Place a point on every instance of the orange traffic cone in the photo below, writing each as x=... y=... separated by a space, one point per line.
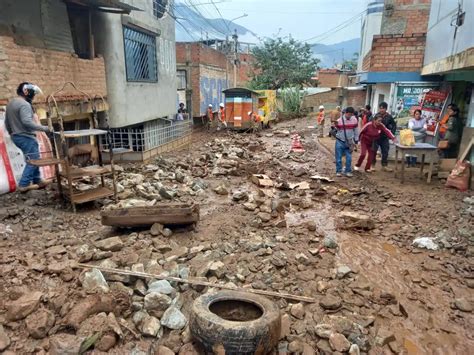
x=296 y=145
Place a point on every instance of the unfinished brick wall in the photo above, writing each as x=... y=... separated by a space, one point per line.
x=332 y=78
x=397 y=53
x=366 y=61
x=354 y=98
x=329 y=100
x=48 y=69
x=405 y=16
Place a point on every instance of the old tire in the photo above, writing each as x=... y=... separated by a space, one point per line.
x=258 y=333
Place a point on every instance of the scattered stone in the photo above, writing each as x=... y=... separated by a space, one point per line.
x=265 y=217
x=156 y=229
x=217 y=269
x=384 y=336
x=354 y=220
x=425 y=243
x=106 y=342
x=161 y=286
x=65 y=344
x=4 y=339
x=240 y=196
x=167 y=194
x=330 y=302
x=330 y=242
x=300 y=171
x=23 y=306
x=342 y=271
x=163 y=350
x=221 y=190
x=150 y=326
x=295 y=347
x=167 y=232
x=354 y=350
x=285 y=326
x=311 y=225
x=39 y=323
x=297 y=311
x=173 y=319
x=94 y=280
x=339 y=342
x=323 y=330
x=463 y=305
x=157 y=302
x=93 y=304
x=110 y=244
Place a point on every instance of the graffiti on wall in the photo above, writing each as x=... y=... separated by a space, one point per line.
x=211 y=92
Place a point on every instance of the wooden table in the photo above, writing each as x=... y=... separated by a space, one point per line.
x=417 y=149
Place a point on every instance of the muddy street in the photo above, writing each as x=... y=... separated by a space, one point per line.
x=345 y=242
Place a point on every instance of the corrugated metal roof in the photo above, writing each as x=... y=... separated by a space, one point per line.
x=105 y=5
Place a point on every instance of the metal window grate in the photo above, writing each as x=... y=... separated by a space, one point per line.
x=140 y=55
x=159 y=8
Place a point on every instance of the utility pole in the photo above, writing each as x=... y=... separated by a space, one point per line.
x=235 y=37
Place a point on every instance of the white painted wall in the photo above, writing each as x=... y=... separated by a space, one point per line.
x=377 y=90
x=133 y=103
x=371 y=25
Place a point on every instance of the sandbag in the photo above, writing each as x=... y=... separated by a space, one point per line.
x=407 y=138
x=12 y=161
x=459 y=177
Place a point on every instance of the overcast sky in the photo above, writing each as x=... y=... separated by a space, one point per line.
x=302 y=19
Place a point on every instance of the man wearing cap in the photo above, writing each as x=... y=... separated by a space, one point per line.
x=321 y=121
x=20 y=124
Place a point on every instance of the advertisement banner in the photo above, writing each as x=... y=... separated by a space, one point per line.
x=432 y=106
x=408 y=99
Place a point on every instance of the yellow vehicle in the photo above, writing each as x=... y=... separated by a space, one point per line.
x=267 y=106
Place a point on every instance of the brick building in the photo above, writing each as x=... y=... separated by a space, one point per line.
x=395 y=59
x=204 y=72
x=120 y=55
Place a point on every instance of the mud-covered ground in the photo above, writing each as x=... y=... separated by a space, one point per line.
x=375 y=292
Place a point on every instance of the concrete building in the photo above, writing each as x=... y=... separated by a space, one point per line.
x=371 y=26
x=121 y=53
x=204 y=72
x=450 y=54
x=391 y=70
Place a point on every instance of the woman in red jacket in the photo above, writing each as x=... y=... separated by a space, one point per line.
x=369 y=134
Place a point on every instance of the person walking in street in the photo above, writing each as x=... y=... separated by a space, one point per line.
x=20 y=124
x=383 y=142
x=366 y=115
x=320 y=121
x=221 y=117
x=347 y=135
x=369 y=136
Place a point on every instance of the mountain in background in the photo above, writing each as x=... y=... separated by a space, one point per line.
x=193 y=26
x=331 y=54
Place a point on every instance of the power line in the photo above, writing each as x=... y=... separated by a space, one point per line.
x=337 y=28
x=224 y=21
x=204 y=17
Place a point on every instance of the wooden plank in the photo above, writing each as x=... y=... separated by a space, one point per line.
x=192 y=281
x=166 y=214
x=467 y=135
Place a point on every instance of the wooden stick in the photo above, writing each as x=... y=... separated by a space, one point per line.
x=197 y=283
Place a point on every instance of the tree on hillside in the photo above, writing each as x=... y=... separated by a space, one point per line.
x=279 y=64
x=351 y=64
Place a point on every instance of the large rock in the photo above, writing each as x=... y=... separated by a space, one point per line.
x=23 y=306
x=330 y=242
x=110 y=244
x=355 y=220
x=240 y=196
x=339 y=342
x=150 y=326
x=161 y=286
x=463 y=305
x=330 y=302
x=39 y=323
x=4 y=339
x=221 y=190
x=217 y=269
x=342 y=271
x=156 y=229
x=297 y=311
x=156 y=303
x=65 y=344
x=173 y=319
x=94 y=280
x=163 y=350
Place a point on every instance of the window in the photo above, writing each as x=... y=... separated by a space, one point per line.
x=181 y=75
x=140 y=55
x=159 y=8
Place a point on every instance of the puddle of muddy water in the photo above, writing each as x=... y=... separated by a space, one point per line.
x=391 y=269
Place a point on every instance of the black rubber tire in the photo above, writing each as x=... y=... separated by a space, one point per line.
x=259 y=336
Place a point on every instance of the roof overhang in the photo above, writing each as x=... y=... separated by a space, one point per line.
x=114 y=6
x=460 y=61
x=392 y=77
